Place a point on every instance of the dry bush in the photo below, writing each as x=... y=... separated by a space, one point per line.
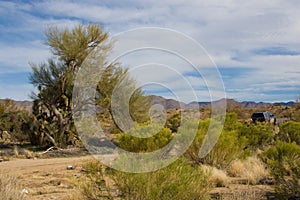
x=93 y=185
x=28 y=154
x=252 y=169
x=218 y=177
x=10 y=188
x=16 y=151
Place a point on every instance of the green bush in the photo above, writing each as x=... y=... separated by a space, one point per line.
x=283 y=160
x=229 y=146
x=258 y=135
x=160 y=138
x=174 y=122
x=94 y=185
x=290 y=132
x=12 y=120
x=177 y=181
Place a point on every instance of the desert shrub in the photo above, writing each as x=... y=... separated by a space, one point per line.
x=160 y=138
x=258 y=135
x=252 y=169
x=290 y=132
x=218 y=177
x=283 y=160
x=94 y=185
x=173 y=122
x=179 y=180
x=12 y=120
x=228 y=147
x=10 y=188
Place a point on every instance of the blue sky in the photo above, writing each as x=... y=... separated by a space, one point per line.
x=255 y=44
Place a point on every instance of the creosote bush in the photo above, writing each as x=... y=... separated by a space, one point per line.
x=283 y=160
x=290 y=132
x=258 y=135
x=137 y=144
x=230 y=144
x=179 y=180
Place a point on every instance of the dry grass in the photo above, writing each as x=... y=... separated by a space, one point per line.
x=218 y=177
x=10 y=188
x=16 y=151
x=28 y=154
x=252 y=169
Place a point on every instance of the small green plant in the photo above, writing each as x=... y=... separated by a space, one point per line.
x=284 y=163
x=179 y=180
x=228 y=147
x=258 y=135
x=290 y=132
x=94 y=186
x=148 y=144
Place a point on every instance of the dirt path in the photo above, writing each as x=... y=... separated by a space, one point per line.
x=46 y=178
x=49 y=179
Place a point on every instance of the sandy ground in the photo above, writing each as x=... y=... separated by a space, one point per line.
x=50 y=179
x=46 y=178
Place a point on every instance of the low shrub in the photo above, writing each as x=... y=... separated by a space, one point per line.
x=252 y=169
x=218 y=177
x=94 y=185
x=179 y=180
x=258 y=135
x=229 y=146
x=159 y=138
x=290 y=132
x=10 y=188
x=283 y=160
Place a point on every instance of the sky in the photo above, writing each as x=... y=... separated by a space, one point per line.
x=254 y=45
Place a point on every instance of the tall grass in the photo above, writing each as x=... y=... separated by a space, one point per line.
x=10 y=188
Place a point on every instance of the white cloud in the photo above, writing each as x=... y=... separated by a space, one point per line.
x=229 y=31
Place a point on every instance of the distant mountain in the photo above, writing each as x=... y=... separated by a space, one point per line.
x=173 y=104
x=26 y=105
x=166 y=103
x=290 y=103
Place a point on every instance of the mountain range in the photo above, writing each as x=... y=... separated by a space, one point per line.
x=173 y=104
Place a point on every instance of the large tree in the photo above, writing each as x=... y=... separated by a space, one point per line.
x=55 y=80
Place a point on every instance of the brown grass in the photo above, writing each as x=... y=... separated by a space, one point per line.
x=252 y=169
x=218 y=177
x=10 y=188
x=16 y=151
x=28 y=154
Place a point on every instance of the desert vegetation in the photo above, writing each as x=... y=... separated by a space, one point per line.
x=256 y=154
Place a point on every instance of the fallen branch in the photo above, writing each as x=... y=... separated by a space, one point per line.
x=51 y=148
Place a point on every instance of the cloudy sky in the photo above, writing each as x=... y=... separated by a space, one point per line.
x=254 y=44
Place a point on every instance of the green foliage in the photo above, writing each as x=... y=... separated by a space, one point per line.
x=284 y=161
x=131 y=143
x=290 y=132
x=12 y=121
x=55 y=78
x=94 y=187
x=258 y=135
x=55 y=82
x=174 y=122
x=177 y=181
x=229 y=146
